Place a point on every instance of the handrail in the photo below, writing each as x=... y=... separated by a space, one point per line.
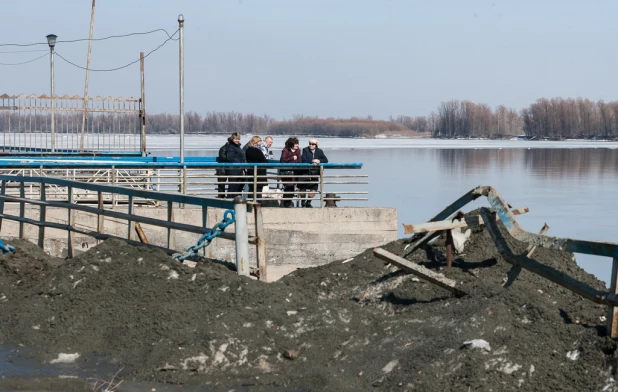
x=31 y=163
x=160 y=196
x=39 y=199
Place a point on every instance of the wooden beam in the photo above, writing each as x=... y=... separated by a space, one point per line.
x=420 y=271
x=452 y=224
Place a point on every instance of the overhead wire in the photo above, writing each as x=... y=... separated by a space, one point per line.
x=95 y=39
x=24 y=51
x=170 y=37
x=26 y=62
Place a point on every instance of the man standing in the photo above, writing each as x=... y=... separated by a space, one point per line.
x=265 y=147
x=235 y=154
x=220 y=172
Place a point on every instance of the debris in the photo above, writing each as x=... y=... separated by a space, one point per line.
x=290 y=354
x=478 y=343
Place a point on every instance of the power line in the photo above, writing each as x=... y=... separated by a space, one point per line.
x=121 y=67
x=25 y=51
x=26 y=62
x=96 y=39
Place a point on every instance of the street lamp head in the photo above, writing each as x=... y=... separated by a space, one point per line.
x=51 y=40
x=181 y=18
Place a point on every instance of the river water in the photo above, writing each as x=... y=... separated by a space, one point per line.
x=571 y=185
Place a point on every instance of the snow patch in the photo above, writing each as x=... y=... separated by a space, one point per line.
x=65 y=358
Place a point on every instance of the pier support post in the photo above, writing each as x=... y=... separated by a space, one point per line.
x=242 y=236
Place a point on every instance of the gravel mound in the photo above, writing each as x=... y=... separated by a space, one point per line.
x=352 y=324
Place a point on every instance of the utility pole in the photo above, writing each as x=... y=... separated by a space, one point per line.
x=84 y=112
x=181 y=22
x=51 y=41
x=142 y=106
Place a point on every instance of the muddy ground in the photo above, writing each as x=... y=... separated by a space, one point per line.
x=355 y=325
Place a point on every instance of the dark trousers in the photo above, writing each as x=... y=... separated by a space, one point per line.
x=288 y=196
x=235 y=185
x=222 y=180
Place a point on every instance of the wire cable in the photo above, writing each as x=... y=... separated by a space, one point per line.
x=25 y=51
x=96 y=39
x=123 y=66
x=26 y=62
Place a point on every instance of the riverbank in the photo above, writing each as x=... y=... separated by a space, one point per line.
x=357 y=323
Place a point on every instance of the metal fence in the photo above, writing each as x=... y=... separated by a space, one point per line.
x=335 y=183
x=42 y=124
x=39 y=199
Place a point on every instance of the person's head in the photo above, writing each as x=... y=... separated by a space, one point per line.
x=255 y=141
x=313 y=144
x=235 y=138
x=268 y=140
x=292 y=142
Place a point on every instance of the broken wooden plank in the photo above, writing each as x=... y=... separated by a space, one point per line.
x=452 y=224
x=420 y=271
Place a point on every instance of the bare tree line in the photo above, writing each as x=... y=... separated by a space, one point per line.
x=556 y=118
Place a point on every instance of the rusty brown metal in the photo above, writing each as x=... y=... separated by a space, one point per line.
x=260 y=242
x=140 y=233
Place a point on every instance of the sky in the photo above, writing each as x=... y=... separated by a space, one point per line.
x=326 y=58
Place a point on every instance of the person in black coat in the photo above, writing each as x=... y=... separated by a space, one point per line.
x=255 y=155
x=314 y=155
x=235 y=154
x=220 y=171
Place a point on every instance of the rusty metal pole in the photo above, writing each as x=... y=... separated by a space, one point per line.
x=181 y=23
x=143 y=105
x=260 y=243
x=85 y=111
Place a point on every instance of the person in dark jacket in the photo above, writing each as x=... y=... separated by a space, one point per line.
x=235 y=154
x=290 y=154
x=255 y=155
x=220 y=172
x=314 y=155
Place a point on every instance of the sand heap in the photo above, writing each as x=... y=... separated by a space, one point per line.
x=353 y=324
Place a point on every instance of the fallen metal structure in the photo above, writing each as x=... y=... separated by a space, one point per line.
x=502 y=211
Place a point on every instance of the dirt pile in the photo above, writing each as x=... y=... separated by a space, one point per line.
x=352 y=324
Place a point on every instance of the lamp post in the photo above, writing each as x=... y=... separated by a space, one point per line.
x=181 y=25
x=51 y=41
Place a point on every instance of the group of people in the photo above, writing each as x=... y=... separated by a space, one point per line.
x=258 y=151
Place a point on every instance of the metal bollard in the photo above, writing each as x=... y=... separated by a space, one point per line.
x=242 y=236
